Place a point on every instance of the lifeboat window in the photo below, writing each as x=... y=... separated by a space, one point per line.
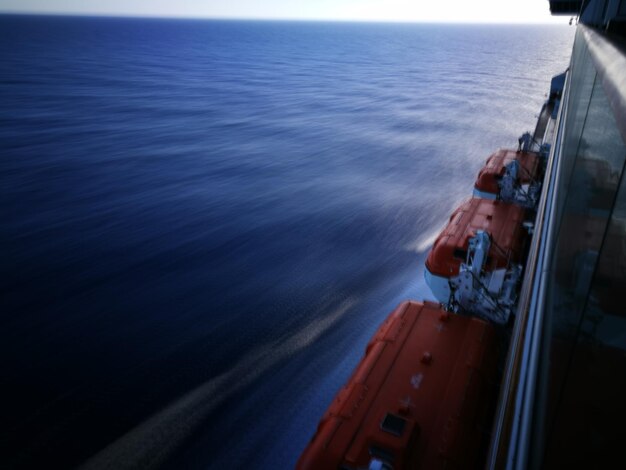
x=393 y=424
x=460 y=254
x=382 y=454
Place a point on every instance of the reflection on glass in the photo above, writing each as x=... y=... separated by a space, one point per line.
x=587 y=371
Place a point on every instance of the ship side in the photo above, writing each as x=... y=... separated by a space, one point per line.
x=521 y=362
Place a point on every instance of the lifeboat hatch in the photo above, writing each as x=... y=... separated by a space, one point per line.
x=393 y=424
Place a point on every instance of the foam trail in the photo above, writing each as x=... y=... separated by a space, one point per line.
x=153 y=441
x=424 y=242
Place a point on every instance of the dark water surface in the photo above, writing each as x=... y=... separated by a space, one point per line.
x=203 y=222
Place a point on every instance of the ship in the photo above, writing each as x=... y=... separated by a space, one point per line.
x=521 y=362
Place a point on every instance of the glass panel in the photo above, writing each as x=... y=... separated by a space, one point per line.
x=582 y=78
x=605 y=313
x=588 y=344
x=593 y=186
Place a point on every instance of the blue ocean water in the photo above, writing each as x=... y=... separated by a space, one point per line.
x=203 y=222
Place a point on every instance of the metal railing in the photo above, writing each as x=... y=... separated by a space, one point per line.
x=504 y=449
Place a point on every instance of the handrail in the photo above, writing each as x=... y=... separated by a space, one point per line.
x=499 y=451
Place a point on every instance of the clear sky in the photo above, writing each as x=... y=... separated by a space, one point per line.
x=484 y=11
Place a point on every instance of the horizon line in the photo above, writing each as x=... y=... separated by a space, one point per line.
x=554 y=18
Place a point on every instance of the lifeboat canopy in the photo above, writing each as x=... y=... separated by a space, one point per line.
x=421 y=397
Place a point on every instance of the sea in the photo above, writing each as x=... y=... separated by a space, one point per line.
x=203 y=222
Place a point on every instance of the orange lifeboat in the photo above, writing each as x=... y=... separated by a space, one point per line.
x=511 y=176
x=421 y=397
x=475 y=262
